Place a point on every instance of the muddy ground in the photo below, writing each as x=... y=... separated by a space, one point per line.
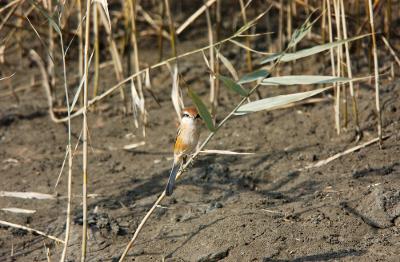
x=231 y=208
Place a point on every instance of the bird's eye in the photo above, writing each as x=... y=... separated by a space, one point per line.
x=197 y=116
x=185 y=115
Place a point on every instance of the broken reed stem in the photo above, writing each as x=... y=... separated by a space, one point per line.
x=346 y=152
x=376 y=72
x=85 y=133
x=5 y=223
x=349 y=70
x=190 y=160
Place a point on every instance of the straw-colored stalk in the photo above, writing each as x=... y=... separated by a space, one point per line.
x=349 y=70
x=247 y=39
x=96 y=50
x=132 y=11
x=171 y=28
x=333 y=65
x=376 y=71
x=80 y=41
x=218 y=38
x=85 y=133
x=69 y=183
x=388 y=18
x=339 y=56
x=280 y=26
x=323 y=22
x=213 y=96
x=114 y=54
x=50 y=63
x=160 y=31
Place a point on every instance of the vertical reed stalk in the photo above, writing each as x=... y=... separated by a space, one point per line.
x=160 y=31
x=211 y=63
x=80 y=41
x=69 y=185
x=349 y=70
x=247 y=39
x=50 y=63
x=375 y=56
x=171 y=28
x=136 y=64
x=85 y=133
x=333 y=65
x=96 y=50
x=339 y=55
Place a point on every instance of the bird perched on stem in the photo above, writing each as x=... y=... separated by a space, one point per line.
x=186 y=142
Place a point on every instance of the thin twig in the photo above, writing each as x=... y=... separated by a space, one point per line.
x=5 y=223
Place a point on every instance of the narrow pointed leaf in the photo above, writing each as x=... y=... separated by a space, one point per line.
x=277 y=101
x=228 y=65
x=229 y=83
x=253 y=76
x=309 y=51
x=303 y=80
x=205 y=115
x=300 y=33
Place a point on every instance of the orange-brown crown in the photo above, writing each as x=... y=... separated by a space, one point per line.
x=191 y=111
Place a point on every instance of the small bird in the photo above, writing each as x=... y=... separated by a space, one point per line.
x=186 y=142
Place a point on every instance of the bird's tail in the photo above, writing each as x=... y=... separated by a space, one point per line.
x=171 y=181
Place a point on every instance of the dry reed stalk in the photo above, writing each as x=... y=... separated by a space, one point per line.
x=280 y=27
x=136 y=64
x=323 y=22
x=114 y=54
x=10 y=4
x=171 y=29
x=349 y=71
x=247 y=39
x=333 y=65
x=155 y=24
x=45 y=81
x=388 y=18
x=218 y=37
x=376 y=72
x=5 y=223
x=194 y=16
x=160 y=41
x=85 y=133
x=346 y=152
x=391 y=50
x=339 y=56
x=69 y=183
x=50 y=63
x=211 y=64
x=80 y=40
x=8 y=15
x=96 y=50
